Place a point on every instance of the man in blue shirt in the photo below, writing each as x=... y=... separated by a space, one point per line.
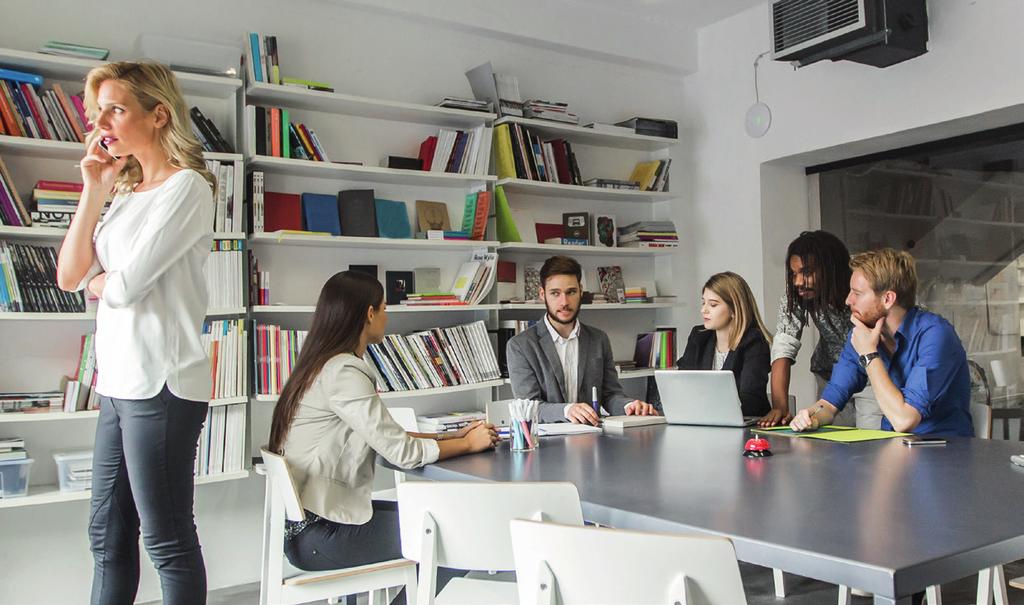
x=913 y=358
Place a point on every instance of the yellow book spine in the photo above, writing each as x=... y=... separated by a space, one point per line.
x=503 y=152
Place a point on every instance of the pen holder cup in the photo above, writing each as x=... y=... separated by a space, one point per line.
x=523 y=435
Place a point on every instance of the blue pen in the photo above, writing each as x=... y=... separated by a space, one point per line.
x=593 y=401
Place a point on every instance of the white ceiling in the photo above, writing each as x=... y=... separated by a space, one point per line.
x=688 y=14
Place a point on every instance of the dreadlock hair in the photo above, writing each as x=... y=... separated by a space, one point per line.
x=828 y=257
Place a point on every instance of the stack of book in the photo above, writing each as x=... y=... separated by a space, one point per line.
x=208 y=133
x=55 y=203
x=651 y=176
x=12 y=448
x=222 y=441
x=447 y=422
x=69 y=49
x=418 y=299
x=435 y=358
x=80 y=389
x=475 y=277
x=652 y=127
x=223 y=273
x=272 y=133
x=465 y=104
x=655 y=349
x=28 y=112
x=31 y=403
x=523 y=155
x=635 y=295
x=625 y=365
x=458 y=151
x=227 y=211
x=277 y=350
x=611 y=183
x=28 y=281
x=226 y=343
x=546 y=110
x=12 y=211
x=649 y=234
x=437 y=234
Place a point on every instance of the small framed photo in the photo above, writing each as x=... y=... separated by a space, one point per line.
x=605 y=232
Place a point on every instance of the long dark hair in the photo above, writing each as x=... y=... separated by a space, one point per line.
x=337 y=325
x=831 y=261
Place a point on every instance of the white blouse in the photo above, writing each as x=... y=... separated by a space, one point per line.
x=152 y=246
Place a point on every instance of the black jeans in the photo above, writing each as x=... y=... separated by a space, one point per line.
x=142 y=475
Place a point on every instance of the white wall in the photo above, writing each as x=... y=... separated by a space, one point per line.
x=749 y=198
x=45 y=558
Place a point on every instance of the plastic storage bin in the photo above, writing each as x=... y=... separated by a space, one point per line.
x=74 y=470
x=14 y=477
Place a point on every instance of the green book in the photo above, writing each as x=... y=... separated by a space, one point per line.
x=505 y=225
x=286 y=139
x=469 y=213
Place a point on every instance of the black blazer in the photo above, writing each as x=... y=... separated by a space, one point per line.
x=750 y=362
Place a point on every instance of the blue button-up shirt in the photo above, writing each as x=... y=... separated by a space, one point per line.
x=929 y=366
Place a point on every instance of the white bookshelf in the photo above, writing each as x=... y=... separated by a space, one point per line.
x=51 y=494
x=40 y=148
x=341 y=241
x=548 y=129
x=227 y=312
x=597 y=307
x=308 y=309
x=365 y=107
x=578 y=192
x=551 y=249
x=13 y=316
x=462 y=388
x=32 y=233
x=366 y=174
x=89 y=414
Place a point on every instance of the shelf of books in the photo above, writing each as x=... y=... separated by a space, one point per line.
x=342 y=241
x=579 y=192
x=617 y=137
x=23 y=316
x=386 y=395
x=262 y=93
x=594 y=307
x=576 y=250
x=43 y=148
x=367 y=174
x=396 y=308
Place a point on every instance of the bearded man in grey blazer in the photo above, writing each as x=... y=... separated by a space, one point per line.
x=559 y=360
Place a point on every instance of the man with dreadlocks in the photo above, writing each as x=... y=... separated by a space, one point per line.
x=817 y=282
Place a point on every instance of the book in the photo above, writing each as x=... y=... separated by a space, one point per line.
x=397 y=285
x=427 y=279
x=320 y=213
x=546 y=231
x=282 y=211
x=432 y=216
x=449 y=421
x=464 y=279
x=68 y=49
x=576 y=225
x=612 y=286
x=358 y=212
x=605 y=233
x=392 y=219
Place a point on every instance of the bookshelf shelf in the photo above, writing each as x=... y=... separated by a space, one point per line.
x=369 y=174
x=476 y=386
x=527 y=248
x=12 y=316
x=364 y=107
x=226 y=312
x=306 y=309
x=51 y=494
x=229 y=235
x=588 y=136
x=558 y=190
x=47 y=416
x=228 y=401
x=32 y=233
x=222 y=157
x=71 y=68
x=50 y=149
x=642 y=373
x=341 y=241
x=600 y=307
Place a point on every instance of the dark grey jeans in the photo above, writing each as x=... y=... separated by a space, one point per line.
x=142 y=475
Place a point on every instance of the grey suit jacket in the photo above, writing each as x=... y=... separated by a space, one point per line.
x=536 y=372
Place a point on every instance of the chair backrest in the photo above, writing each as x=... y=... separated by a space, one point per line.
x=280 y=477
x=636 y=567
x=406 y=418
x=981 y=417
x=472 y=518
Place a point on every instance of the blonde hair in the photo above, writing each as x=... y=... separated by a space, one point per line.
x=152 y=84
x=889 y=269
x=735 y=293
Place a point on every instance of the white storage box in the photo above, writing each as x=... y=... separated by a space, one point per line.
x=74 y=470
x=14 y=477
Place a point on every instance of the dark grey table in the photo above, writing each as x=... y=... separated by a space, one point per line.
x=878 y=516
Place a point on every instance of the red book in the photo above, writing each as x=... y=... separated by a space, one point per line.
x=7 y=112
x=80 y=110
x=506 y=271
x=427 y=149
x=26 y=93
x=561 y=161
x=275 y=132
x=282 y=211
x=307 y=140
x=547 y=231
x=60 y=186
x=483 y=206
x=69 y=112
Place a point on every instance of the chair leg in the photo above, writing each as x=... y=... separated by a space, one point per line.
x=985 y=587
x=999 y=585
x=378 y=597
x=933 y=595
x=411 y=586
x=780 y=583
x=844 y=595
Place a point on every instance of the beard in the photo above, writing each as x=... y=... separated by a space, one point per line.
x=872 y=316
x=552 y=315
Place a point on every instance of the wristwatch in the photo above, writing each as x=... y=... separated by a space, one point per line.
x=866 y=359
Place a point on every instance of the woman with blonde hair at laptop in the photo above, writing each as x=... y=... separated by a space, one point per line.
x=732 y=337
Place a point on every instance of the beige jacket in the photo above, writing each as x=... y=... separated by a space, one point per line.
x=339 y=425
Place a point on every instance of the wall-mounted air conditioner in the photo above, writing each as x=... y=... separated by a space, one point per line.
x=873 y=32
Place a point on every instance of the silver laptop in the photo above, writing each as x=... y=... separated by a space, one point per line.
x=701 y=397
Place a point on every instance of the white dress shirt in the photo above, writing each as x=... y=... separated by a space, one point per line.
x=568 y=350
x=152 y=245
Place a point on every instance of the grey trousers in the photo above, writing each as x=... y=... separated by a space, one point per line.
x=142 y=478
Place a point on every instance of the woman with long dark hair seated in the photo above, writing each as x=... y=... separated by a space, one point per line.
x=329 y=423
x=732 y=337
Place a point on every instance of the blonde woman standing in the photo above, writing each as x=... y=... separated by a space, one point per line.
x=732 y=337
x=144 y=261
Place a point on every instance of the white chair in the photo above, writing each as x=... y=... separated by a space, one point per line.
x=406 y=418
x=465 y=526
x=777 y=575
x=592 y=566
x=991 y=580
x=282 y=502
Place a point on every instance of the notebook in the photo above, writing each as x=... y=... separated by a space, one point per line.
x=628 y=422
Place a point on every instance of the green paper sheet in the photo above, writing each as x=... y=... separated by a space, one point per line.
x=785 y=431
x=505 y=224
x=856 y=435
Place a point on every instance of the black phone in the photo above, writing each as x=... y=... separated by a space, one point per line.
x=103 y=144
x=914 y=440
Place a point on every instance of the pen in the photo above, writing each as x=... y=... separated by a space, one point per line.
x=593 y=401
x=816 y=410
